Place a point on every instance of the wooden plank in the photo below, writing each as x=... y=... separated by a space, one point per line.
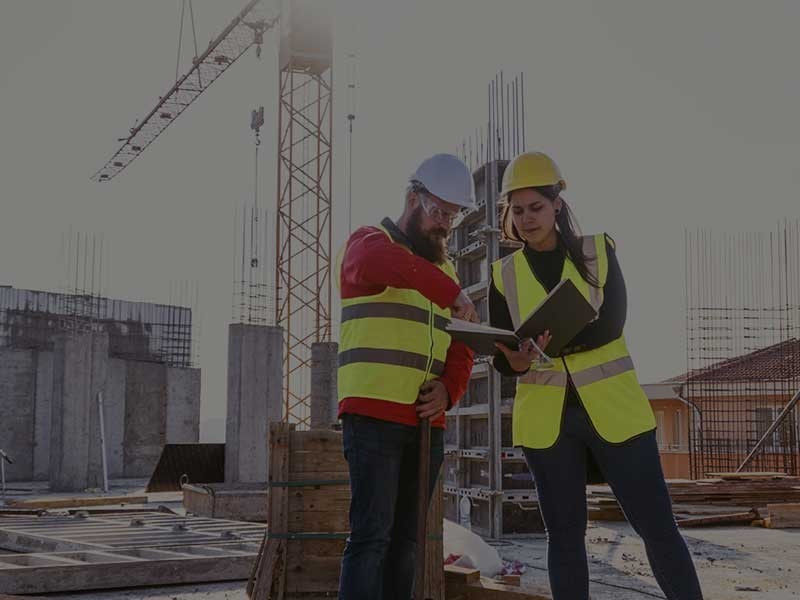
x=316 y=462
x=750 y=475
x=726 y=519
x=783 y=516
x=270 y=571
x=308 y=573
x=321 y=475
x=456 y=575
x=322 y=441
x=77 y=502
x=98 y=576
x=322 y=521
x=320 y=498
x=488 y=589
x=434 y=547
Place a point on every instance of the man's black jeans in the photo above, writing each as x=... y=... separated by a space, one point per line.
x=378 y=560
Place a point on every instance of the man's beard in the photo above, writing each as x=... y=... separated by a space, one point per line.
x=432 y=245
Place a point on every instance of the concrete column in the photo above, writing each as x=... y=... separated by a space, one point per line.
x=324 y=396
x=41 y=420
x=183 y=405
x=255 y=393
x=79 y=372
x=145 y=417
x=114 y=407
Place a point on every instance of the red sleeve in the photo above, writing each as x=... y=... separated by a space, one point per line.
x=372 y=262
x=457 y=371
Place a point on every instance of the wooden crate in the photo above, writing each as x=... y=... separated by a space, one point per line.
x=308 y=508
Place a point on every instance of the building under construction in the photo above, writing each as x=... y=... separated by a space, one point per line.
x=92 y=388
x=743 y=350
x=486 y=481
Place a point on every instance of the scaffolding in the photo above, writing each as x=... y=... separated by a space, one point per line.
x=743 y=348
x=487 y=485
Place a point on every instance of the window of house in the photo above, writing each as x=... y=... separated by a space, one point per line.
x=660 y=428
x=765 y=416
x=678 y=436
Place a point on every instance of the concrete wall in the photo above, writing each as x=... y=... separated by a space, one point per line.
x=255 y=386
x=183 y=405
x=49 y=419
x=17 y=392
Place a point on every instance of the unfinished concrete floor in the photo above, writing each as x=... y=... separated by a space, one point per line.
x=727 y=558
x=734 y=563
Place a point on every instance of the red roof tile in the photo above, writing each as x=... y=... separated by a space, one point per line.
x=778 y=362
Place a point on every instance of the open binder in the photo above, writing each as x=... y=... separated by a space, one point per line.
x=564 y=312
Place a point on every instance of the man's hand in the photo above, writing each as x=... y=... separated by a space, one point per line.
x=463 y=308
x=432 y=400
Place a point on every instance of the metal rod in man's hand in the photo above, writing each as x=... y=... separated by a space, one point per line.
x=423 y=486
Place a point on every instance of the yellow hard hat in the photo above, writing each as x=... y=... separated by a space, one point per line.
x=530 y=169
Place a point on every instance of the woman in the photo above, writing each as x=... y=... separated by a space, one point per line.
x=587 y=406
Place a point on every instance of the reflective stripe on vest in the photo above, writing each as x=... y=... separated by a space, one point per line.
x=391 y=343
x=393 y=311
x=604 y=377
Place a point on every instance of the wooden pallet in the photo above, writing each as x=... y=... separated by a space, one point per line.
x=308 y=507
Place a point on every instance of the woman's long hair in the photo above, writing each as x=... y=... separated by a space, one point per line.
x=566 y=225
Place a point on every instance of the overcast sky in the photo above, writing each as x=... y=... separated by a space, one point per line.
x=662 y=116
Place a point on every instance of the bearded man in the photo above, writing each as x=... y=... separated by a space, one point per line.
x=398 y=365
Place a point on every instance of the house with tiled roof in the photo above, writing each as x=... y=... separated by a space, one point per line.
x=709 y=419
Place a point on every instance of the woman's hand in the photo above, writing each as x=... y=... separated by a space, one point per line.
x=520 y=360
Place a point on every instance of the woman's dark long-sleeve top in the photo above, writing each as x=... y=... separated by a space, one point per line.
x=547 y=267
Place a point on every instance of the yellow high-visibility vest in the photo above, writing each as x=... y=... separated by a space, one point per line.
x=604 y=378
x=392 y=342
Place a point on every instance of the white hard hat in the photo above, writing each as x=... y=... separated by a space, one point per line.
x=446 y=176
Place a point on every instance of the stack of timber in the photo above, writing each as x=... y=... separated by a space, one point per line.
x=722 y=499
x=308 y=504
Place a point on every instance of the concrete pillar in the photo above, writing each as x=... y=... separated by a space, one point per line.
x=114 y=411
x=183 y=405
x=324 y=396
x=42 y=420
x=145 y=417
x=79 y=372
x=255 y=393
